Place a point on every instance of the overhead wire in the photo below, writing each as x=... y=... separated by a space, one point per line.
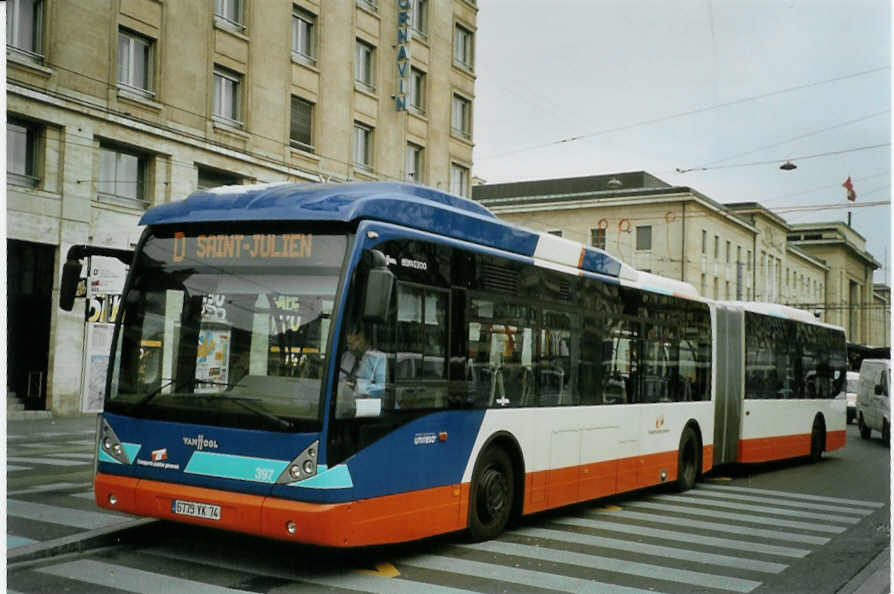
x=681 y=114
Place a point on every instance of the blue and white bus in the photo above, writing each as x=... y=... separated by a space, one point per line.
x=368 y=363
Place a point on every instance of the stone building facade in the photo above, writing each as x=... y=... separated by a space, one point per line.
x=112 y=111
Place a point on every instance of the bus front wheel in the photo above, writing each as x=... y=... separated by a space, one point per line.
x=687 y=460
x=491 y=494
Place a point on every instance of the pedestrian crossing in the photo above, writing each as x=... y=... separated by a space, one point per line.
x=714 y=538
x=49 y=487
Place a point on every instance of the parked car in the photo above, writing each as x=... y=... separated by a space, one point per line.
x=873 y=404
x=853 y=381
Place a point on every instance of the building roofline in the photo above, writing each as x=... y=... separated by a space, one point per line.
x=590 y=198
x=756 y=207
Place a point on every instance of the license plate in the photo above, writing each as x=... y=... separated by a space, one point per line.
x=195 y=510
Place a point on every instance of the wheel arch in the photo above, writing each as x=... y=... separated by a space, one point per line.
x=509 y=444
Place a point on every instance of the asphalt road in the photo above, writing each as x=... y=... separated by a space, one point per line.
x=784 y=527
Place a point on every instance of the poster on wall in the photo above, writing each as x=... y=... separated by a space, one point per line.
x=99 y=341
x=213 y=357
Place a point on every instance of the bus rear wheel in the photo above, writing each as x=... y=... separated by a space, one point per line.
x=687 y=460
x=817 y=441
x=491 y=494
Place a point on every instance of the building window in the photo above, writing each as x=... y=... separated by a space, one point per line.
x=419 y=17
x=748 y=260
x=556 y=232
x=303 y=35
x=213 y=178
x=704 y=284
x=716 y=246
x=461 y=117
x=301 y=127
x=367 y=4
x=227 y=86
x=739 y=254
x=597 y=238
x=362 y=146
x=416 y=98
x=462 y=47
x=716 y=283
x=21 y=153
x=459 y=180
x=728 y=294
x=704 y=241
x=644 y=237
x=135 y=70
x=414 y=163
x=24 y=27
x=729 y=250
x=364 y=73
x=229 y=13
x=122 y=174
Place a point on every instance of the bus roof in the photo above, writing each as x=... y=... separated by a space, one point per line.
x=405 y=204
x=781 y=311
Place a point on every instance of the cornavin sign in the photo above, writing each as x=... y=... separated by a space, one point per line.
x=403 y=54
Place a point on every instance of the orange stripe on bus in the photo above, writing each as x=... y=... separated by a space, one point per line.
x=764 y=449
x=552 y=488
x=387 y=519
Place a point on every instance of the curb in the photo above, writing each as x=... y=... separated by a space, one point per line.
x=77 y=543
x=28 y=415
x=875 y=578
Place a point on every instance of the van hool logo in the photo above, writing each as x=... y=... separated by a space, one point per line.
x=200 y=443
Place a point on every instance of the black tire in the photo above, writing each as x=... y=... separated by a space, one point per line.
x=886 y=433
x=491 y=494
x=817 y=441
x=688 y=460
x=865 y=431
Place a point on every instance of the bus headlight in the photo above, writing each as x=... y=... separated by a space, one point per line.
x=302 y=467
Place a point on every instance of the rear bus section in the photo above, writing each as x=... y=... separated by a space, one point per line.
x=779 y=373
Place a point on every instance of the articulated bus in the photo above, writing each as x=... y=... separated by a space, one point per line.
x=368 y=363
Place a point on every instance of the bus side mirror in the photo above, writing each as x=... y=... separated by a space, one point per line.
x=71 y=274
x=377 y=289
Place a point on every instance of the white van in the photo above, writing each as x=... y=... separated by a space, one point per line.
x=873 y=406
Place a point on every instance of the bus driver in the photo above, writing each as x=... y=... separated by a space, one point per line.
x=362 y=368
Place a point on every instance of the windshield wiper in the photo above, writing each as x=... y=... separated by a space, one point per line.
x=244 y=401
x=145 y=399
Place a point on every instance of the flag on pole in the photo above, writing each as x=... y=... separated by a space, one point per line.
x=847 y=185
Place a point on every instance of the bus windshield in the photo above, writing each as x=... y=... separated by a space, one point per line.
x=228 y=329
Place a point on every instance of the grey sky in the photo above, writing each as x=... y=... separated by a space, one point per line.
x=552 y=70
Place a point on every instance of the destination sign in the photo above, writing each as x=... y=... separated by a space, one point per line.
x=240 y=247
